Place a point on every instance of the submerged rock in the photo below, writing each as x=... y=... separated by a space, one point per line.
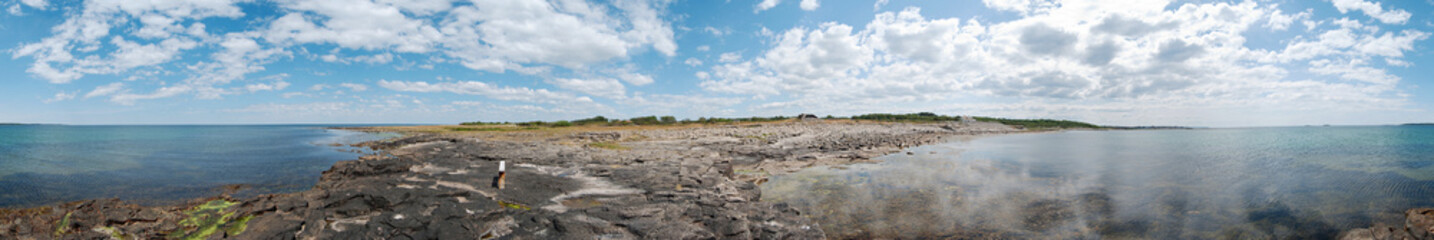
x=1418 y=224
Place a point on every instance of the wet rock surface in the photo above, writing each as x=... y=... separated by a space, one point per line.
x=688 y=183
x=1419 y=224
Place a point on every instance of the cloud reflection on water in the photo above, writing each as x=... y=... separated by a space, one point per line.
x=1069 y=190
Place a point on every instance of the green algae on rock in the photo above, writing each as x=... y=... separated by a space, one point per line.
x=207 y=218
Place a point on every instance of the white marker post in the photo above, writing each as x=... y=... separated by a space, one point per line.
x=502 y=173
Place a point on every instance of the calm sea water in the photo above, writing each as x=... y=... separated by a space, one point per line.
x=43 y=164
x=1257 y=183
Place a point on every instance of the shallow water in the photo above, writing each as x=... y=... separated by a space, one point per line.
x=1298 y=182
x=43 y=164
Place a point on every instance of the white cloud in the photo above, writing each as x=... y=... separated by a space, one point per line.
x=106 y=90
x=877 y=6
x=37 y=4
x=277 y=85
x=703 y=48
x=715 y=32
x=729 y=57
x=496 y=35
x=601 y=87
x=376 y=59
x=487 y=90
x=635 y=78
x=811 y=5
x=1374 y=10
x=692 y=62
x=1140 y=56
x=126 y=98
x=765 y=4
x=354 y=86
x=14 y=9
x=1021 y=6
x=525 y=36
x=1280 y=21
x=61 y=96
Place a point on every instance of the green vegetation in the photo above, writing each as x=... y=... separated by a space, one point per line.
x=591 y=121
x=208 y=218
x=910 y=117
x=1038 y=123
x=483 y=123
x=648 y=120
x=489 y=129
x=238 y=225
x=64 y=225
x=513 y=205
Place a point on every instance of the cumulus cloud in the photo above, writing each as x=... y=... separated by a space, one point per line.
x=37 y=4
x=811 y=5
x=1185 y=56
x=766 y=4
x=520 y=94
x=275 y=86
x=1373 y=10
x=354 y=86
x=729 y=57
x=105 y=90
x=1021 y=6
x=60 y=96
x=120 y=37
x=716 y=32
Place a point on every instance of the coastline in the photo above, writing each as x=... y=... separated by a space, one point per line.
x=611 y=182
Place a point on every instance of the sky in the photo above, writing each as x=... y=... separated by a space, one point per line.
x=1122 y=62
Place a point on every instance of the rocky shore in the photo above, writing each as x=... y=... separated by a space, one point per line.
x=619 y=183
x=1418 y=224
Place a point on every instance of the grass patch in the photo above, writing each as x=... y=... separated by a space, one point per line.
x=609 y=145
x=1039 y=123
x=64 y=225
x=910 y=117
x=513 y=205
x=489 y=129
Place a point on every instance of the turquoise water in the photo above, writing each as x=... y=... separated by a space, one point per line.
x=1256 y=183
x=43 y=164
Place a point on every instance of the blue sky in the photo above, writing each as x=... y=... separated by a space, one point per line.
x=1135 y=62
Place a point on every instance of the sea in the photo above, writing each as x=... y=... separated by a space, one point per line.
x=153 y=165
x=1233 y=183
